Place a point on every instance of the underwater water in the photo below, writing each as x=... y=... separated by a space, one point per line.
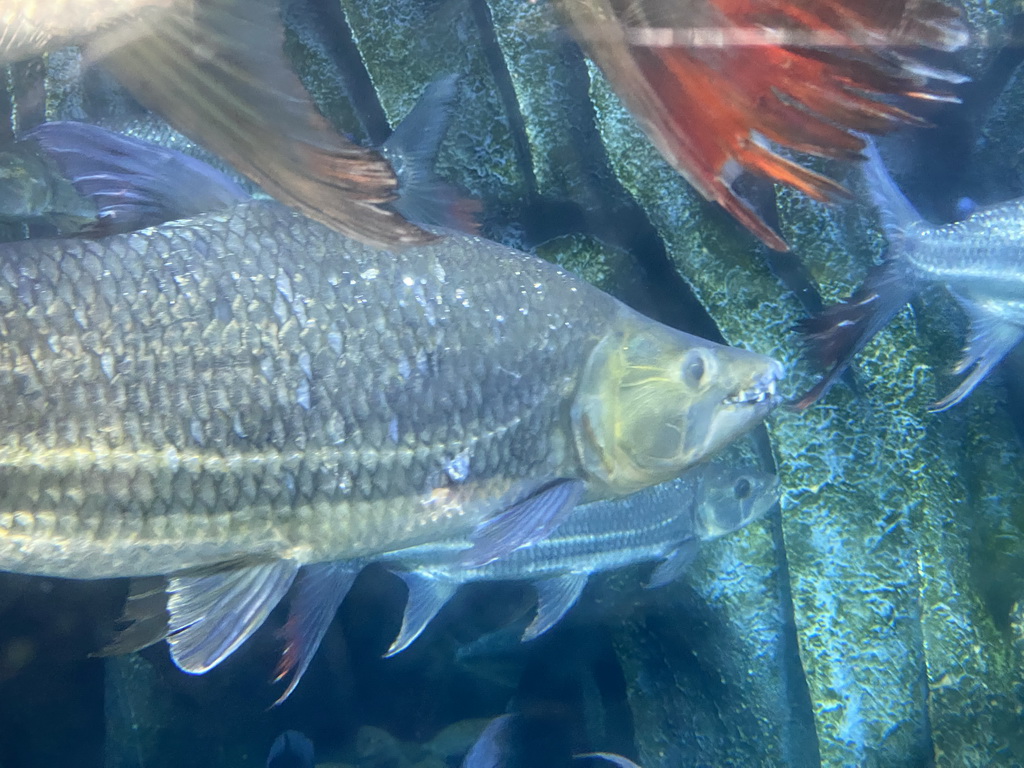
x=875 y=617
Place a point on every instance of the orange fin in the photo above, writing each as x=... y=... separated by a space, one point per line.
x=715 y=87
x=217 y=70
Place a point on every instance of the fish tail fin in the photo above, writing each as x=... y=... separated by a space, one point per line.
x=133 y=183
x=895 y=211
x=838 y=333
x=218 y=71
x=423 y=197
x=717 y=94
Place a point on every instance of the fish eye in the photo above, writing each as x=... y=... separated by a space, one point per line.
x=694 y=368
x=742 y=489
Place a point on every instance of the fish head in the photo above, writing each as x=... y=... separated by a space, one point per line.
x=654 y=401
x=733 y=497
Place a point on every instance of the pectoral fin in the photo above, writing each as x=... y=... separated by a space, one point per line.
x=554 y=599
x=523 y=523
x=672 y=567
x=427 y=596
x=320 y=590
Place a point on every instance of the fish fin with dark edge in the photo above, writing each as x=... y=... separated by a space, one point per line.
x=838 y=333
x=218 y=72
x=716 y=88
x=524 y=522
x=607 y=757
x=424 y=197
x=989 y=340
x=213 y=610
x=291 y=749
x=320 y=589
x=555 y=596
x=491 y=748
x=673 y=566
x=144 y=617
x=133 y=183
x=427 y=596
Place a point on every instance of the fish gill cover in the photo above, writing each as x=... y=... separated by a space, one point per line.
x=877 y=621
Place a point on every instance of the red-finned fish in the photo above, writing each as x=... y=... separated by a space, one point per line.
x=716 y=84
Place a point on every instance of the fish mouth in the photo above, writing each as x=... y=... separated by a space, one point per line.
x=761 y=391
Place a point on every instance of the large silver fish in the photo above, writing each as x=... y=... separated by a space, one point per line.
x=217 y=70
x=227 y=398
x=980 y=260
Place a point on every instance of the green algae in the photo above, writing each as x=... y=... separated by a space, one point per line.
x=875 y=518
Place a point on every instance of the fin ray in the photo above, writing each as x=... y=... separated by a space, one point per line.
x=427 y=596
x=555 y=597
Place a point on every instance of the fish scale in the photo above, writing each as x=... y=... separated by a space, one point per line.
x=287 y=469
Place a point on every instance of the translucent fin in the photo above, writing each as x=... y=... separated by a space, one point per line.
x=427 y=596
x=555 y=597
x=990 y=339
x=291 y=749
x=133 y=183
x=838 y=333
x=607 y=757
x=321 y=588
x=895 y=211
x=525 y=522
x=412 y=149
x=673 y=566
x=217 y=71
x=214 y=610
x=715 y=87
x=491 y=748
x=144 y=618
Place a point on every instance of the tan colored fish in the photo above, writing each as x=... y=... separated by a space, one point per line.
x=227 y=398
x=217 y=71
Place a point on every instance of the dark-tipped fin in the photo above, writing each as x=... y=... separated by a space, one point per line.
x=523 y=523
x=555 y=597
x=133 y=183
x=491 y=749
x=673 y=566
x=412 y=149
x=836 y=335
x=320 y=590
x=291 y=749
x=427 y=596
x=217 y=70
x=989 y=341
x=212 y=611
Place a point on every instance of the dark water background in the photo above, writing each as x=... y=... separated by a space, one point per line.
x=674 y=654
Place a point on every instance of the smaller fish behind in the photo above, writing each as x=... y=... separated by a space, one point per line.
x=979 y=259
x=217 y=70
x=666 y=522
x=83 y=179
